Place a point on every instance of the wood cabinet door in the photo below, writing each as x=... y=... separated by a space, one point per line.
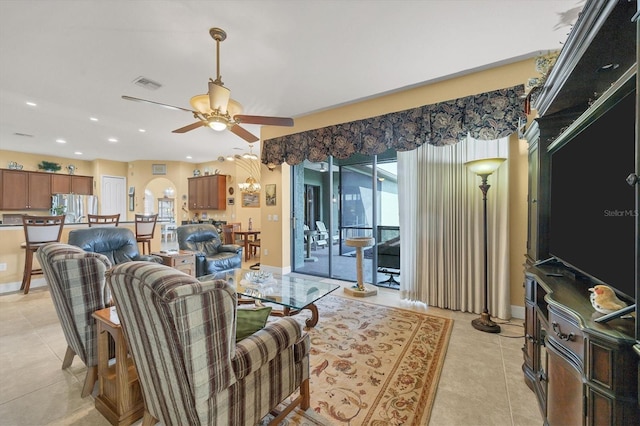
x=198 y=198
x=193 y=193
x=15 y=190
x=203 y=192
x=40 y=191
x=60 y=184
x=217 y=192
x=564 y=391
x=82 y=185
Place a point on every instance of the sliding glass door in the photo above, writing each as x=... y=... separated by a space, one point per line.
x=340 y=199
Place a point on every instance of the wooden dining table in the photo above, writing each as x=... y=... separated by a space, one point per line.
x=247 y=237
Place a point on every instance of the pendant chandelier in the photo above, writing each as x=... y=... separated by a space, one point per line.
x=250 y=163
x=250 y=185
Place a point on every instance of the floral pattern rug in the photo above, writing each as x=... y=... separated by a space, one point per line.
x=372 y=365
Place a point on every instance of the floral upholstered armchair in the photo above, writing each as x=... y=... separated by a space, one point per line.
x=77 y=285
x=181 y=334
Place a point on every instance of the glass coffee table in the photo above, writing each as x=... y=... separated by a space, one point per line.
x=292 y=293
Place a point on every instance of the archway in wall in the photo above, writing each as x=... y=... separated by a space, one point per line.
x=159 y=197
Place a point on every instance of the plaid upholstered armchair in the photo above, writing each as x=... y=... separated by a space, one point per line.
x=77 y=286
x=181 y=334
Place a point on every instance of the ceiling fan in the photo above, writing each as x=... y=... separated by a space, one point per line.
x=216 y=109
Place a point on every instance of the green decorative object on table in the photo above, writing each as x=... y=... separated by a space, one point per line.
x=48 y=166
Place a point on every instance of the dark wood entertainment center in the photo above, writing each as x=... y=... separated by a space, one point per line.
x=583 y=372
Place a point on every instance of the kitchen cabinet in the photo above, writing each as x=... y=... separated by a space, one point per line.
x=23 y=190
x=207 y=192
x=71 y=184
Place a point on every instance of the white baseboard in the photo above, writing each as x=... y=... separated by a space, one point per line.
x=517 y=311
x=15 y=286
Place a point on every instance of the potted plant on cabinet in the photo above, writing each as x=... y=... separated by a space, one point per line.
x=48 y=166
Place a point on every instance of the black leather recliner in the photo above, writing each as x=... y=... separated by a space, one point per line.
x=212 y=256
x=118 y=244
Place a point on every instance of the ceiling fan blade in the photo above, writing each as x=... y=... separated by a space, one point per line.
x=131 y=98
x=244 y=134
x=260 y=119
x=190 y=127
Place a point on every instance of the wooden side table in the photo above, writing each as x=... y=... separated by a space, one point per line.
x=119 y=397
x=182 y=260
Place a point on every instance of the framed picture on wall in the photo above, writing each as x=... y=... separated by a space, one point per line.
x=270 y=193
x=250 y=199
x=231 y=201
x=159 y=169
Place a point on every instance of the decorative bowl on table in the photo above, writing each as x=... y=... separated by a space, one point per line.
x=258 y=277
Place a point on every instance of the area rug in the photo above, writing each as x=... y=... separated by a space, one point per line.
x=372 y=365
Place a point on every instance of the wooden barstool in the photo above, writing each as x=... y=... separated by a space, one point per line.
x=103 y=219
x=38 y=231
x=145 y=227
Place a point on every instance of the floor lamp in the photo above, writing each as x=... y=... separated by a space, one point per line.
x=483 y=168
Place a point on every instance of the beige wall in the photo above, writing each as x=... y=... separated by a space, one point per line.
x=275 y=239
x=276 y=235
x=138 y=174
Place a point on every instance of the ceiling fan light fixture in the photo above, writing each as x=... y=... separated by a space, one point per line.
x=234 y=108
x=217 y=123
x=219 y=97
x=200 y=103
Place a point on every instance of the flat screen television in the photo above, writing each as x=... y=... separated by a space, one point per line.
x=592 y=207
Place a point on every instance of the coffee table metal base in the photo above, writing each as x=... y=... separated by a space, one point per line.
x=288 y=312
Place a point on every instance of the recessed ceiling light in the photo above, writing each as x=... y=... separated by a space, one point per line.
x=141 y=130
x=189 y=157
x=93 y=119
x=113 y=140
x=77 y=153
x=32 y=103
x=61 y=141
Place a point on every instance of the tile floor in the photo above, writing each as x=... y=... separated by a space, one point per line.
x=481 y=382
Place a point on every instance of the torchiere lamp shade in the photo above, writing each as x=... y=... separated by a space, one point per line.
x=484 y=166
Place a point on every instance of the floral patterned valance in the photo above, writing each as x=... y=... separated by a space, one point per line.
x=487 y=116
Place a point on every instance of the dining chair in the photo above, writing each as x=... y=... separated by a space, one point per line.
x=227 y=233
x=103 y=219
x=254 y=246
x=38 y=231
x=237 y=226
x=145 y=227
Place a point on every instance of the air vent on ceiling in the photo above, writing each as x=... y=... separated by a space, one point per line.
x=147 y=83
x=23 y=134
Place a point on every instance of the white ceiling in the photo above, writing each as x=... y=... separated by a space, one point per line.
x=75 y=59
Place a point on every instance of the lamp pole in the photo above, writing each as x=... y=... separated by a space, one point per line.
x=484 y=168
